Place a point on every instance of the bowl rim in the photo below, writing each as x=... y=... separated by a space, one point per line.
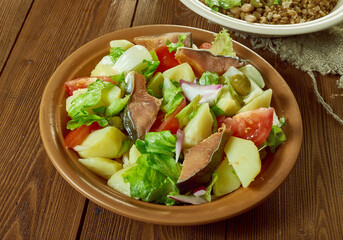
x=90 y=186
x=334 y=18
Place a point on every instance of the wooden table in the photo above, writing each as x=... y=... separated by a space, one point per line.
x=37 y=203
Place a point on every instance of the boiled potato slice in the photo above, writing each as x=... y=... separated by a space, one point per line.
x=131 y=156
x=183 y=71
x=106 y=142
x=104 y=68
x=245 y=159
x=134 y=154
x=227 y=179
x=254 y=92
x=109 y=95
x=262 y=100
x=227 y=103
x=103 y=167
x=125 y=44
x=117 y=182
x=117 y=122
x=132 y=59
x=199 y=127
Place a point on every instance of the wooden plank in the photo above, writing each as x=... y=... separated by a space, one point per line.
x=43 y=205
x=12 y=17
x=102 y=224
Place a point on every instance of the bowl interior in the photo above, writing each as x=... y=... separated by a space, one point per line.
x=275 y=169
x=335 y=17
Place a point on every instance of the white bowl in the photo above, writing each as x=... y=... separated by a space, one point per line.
x=334 y=18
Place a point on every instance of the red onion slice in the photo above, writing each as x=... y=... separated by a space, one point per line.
x=180 y=136
x=200 y=191
x=188 y=199
x=209 y=93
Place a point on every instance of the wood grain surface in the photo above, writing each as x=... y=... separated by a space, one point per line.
x=37 y=203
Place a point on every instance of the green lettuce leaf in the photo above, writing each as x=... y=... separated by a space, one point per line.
x=86 y=120
x=209 y=78
x=157 y=142
x=115 y=53
x=210 y=186
x=117 y=105
x=215 y=123
x=276 y=136
x=148 y=184
x=148 y=72
x=217 y=110
x=172 y=96
x=222 y=44
x=184 y=116
x=88 y=99
x=165 y=164
x=225 y=4
x=172 y=47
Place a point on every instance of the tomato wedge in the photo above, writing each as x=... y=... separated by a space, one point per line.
x=76 y=136
x=254 y=125
x=170 y=123
x=166 y=58
x=83 y=82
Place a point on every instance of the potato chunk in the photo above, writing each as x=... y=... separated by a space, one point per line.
x=106 y=142
x=245 y=159
x=103 y=167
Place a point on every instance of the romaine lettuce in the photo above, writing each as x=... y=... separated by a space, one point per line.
x=172 y=47
x=117 y=105
x=156 y=172
x=157 y=142
x=172 y=96
x=148 y=184
x=184 y=116
x=225 y=4
x=222 y=44
x=209 y=78
x=276 y=135
x=115 y=53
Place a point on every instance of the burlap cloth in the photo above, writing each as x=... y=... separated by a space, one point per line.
x=320 y=52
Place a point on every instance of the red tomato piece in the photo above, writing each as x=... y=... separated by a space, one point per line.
x=83 y=82
x=170 y=123
x=205 y=45
x=167 y=59
x=253 y=125
x=220 y=121
x=78 y=135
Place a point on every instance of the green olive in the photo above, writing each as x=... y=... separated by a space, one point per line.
x=241 y=84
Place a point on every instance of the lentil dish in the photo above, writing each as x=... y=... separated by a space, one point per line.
x=275 y=12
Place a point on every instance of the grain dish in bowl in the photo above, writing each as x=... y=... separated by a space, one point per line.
x=277 y=20
x=274 y=12
x=53 y=122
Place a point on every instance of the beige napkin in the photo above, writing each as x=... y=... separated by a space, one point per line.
x=320 y=52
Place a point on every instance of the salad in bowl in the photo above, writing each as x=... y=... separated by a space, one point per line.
x=168 y=122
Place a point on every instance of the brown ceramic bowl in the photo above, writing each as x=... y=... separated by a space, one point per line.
x=275 y=168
